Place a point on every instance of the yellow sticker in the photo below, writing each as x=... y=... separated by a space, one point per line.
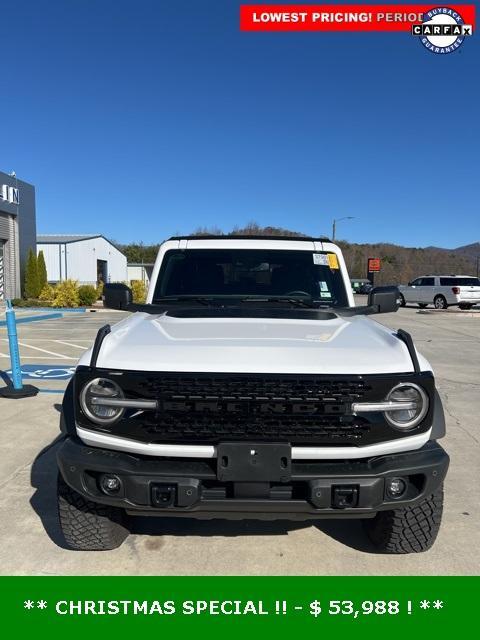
x=333 y=261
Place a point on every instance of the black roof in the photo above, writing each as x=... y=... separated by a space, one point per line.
x=248 y=237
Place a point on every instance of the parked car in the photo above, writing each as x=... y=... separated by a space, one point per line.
x=361 y=285
x=442 y=291
x=251 y=386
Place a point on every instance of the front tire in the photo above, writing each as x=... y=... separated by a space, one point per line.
x=411 y=529
x=87 y=525
x=402 y=300
x=440 y=302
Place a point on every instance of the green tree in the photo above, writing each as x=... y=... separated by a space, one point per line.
x=31 y=276
x=138 y=252
x=42 y=271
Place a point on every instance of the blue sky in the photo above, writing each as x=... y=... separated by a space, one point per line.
x=143 y=119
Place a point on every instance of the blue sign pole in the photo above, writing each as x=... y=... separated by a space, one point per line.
x=16 y=389
x=13 y=345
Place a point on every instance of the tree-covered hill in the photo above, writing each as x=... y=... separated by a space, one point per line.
x=399 y=264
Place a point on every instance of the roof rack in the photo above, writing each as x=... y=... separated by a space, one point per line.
x=252 y=237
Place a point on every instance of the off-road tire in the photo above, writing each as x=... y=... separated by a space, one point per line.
x=440 y=302
x=87 y=525
x=410 y=529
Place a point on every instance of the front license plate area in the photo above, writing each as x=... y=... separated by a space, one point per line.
x=254 y=462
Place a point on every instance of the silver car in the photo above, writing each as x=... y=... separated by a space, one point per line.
x=442 y=291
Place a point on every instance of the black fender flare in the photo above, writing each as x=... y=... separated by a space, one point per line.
x=67 y=416
x=438 y=422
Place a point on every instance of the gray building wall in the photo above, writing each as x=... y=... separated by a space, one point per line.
x=18 y=231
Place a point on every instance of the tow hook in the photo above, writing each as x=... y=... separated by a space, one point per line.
x=344 y=496
x=163 y=495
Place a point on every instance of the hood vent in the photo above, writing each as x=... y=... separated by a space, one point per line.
x=251 y=312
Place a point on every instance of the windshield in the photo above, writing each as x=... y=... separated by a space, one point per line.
x=247 y=273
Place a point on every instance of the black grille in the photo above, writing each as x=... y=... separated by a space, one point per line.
x=257 y=389
x=295 y=409
x=201 y=428
x=206 y=408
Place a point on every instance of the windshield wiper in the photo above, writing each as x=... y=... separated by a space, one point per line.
x=299 y=302
x=200 y=299
x=214 y=301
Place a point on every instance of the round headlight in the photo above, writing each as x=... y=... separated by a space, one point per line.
x=91 y=400
x=417 y=401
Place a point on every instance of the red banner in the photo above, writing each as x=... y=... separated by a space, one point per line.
x=335 y=17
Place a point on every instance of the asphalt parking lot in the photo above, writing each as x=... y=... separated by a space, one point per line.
x=32 y=544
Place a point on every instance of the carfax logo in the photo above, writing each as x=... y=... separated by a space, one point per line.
x=443 y=30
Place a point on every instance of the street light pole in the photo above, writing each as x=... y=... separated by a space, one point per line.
x=334 y=225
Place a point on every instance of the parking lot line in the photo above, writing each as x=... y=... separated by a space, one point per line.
x=40 y=326
x=44 y=340
x=52 y=353
x=24 y=357
x=70 y=344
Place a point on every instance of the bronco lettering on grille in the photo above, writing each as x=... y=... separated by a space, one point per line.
x=251 y=407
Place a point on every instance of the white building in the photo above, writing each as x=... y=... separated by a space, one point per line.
x=88 y=259
x=140 y=271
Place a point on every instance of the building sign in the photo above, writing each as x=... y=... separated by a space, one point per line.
x=373 y=265
x=10 y=194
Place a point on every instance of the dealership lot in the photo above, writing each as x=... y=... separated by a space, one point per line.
x=49 y=349
x=31 y=542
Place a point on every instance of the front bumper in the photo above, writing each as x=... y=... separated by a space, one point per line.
x=191 y=488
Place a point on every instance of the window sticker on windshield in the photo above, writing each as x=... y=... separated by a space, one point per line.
x=325 y=294
x=320 y=258
x=333 y=261
x=323 y=286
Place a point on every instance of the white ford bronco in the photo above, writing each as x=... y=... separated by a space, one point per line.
x=250 y=386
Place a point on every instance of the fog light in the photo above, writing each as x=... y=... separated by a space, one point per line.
x=110 y=484
x=396 y=487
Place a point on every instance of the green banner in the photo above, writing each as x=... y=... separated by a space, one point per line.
x=70 y=607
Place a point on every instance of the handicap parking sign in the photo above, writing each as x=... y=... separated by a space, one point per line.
x=45 y=372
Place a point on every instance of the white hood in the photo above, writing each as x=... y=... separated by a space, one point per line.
x=342 y=345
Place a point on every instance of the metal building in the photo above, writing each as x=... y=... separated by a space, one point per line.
x=17 y=232
x=89 y=259
x=140 y=271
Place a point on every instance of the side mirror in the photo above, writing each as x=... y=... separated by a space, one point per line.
x=117 y=296
x=410 y=284
x=385 y=299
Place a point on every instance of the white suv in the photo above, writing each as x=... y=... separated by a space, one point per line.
x=250 y=386
x=442 y=291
